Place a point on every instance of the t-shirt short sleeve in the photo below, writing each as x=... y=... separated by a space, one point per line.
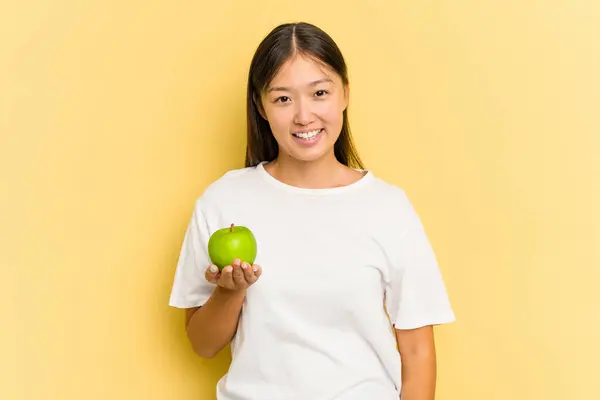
x=190 y=287
x=416 y=295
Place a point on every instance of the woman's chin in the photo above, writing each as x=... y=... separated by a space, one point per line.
x=311 y=155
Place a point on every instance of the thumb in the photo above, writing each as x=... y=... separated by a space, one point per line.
x=212 y=273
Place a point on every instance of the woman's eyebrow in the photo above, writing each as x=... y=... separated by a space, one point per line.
x=286 y=89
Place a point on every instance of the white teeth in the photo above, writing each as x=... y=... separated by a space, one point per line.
x=307 y=135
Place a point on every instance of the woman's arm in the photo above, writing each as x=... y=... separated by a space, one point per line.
x=211 y=327
x=417 y=351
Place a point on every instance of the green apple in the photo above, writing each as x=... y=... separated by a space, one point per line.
x=227 y=244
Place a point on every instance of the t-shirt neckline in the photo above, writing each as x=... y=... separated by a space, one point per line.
x=366 y=178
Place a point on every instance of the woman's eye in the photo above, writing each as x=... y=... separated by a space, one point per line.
x=282 y=99
x=320 y=93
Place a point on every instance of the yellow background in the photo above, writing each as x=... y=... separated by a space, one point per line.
x=115 y=115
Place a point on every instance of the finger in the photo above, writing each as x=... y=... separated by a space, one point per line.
x=238 y=274
x=226 y=279
x=212 y=273
x=248 y=273
x=257 y=269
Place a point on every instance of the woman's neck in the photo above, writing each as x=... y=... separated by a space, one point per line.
x=323 y=173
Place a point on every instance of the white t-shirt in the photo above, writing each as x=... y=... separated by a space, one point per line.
x=314 y=327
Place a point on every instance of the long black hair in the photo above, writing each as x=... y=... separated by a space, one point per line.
x=278 y=46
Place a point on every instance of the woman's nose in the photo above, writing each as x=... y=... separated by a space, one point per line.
x=303 y=115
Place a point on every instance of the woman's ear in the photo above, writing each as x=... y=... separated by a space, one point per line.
x=346 y=96
x=259 y=107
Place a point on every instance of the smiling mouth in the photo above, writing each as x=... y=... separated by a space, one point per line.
x=307 y=135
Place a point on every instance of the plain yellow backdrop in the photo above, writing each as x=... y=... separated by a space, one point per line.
x=114 y=116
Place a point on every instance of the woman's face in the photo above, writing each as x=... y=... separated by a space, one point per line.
x=304 y=106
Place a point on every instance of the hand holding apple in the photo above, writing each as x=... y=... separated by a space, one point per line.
x=235 y=277
x=232 y=251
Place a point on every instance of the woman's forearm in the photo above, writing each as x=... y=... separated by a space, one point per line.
x=212 y=326
x=418 y=376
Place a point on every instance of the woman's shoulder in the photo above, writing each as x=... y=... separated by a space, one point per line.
x=232 y=176
x=229 y=184
x=389 y=192
x=389 y=200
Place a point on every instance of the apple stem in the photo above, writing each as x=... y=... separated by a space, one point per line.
x=231 y=228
